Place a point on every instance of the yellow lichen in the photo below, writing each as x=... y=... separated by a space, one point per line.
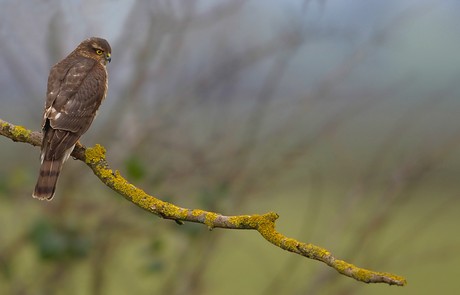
x=239 y=221
x=138 y=196
x=105 y=173
x=20 y=131
x=264 y=224
x=197 y=212
x=314 y=252
x=95 y=154
x=164 y=209
x=290 y=244
x=272 y=216
x=342 y=266
x=321 y=252
x=174 y=211
x=210 y=217
x=365 y=275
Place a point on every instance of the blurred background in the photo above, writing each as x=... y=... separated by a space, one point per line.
x=341 y=116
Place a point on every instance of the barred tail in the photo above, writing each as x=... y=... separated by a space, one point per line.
x=47 y=179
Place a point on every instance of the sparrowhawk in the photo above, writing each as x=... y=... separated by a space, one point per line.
x=77 y=85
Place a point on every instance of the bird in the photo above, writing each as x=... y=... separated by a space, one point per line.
x=77 y=85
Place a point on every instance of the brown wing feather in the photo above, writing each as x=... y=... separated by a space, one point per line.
x=77 y=97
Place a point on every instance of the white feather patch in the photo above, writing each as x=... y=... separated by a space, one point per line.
x=48 y=112
x=52 y=113
x=67 y=154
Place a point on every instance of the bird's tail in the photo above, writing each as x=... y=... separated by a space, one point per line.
x=57 y=145
x=47 y=179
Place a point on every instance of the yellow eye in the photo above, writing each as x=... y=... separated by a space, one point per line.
x=98 y=51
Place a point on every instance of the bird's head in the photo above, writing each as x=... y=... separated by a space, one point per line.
x=96 y=48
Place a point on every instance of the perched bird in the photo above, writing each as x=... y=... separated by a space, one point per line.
x=77 y=85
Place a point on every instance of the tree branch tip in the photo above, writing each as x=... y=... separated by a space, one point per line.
x=392 y=279
x=272 y=216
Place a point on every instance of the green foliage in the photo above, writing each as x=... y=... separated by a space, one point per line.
x=57 y=242
x=157 y=245
x=156 y=266
x=135 y=168
x=209 y=197
x=3 y=185
x=156 y=262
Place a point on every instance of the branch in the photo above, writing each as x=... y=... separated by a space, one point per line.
x=265 y=224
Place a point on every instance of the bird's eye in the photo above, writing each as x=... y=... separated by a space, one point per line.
x=98 y=51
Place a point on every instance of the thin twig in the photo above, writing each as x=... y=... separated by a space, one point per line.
x=265 y=224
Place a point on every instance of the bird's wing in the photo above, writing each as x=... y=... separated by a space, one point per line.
x=75 y=92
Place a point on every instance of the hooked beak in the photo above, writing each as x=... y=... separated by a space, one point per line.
x=108 y=57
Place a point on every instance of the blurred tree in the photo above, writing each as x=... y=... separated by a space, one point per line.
x=342 y=117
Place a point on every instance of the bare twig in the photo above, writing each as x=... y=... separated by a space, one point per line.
x=265 y=224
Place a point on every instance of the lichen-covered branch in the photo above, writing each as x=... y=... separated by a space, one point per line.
x=265 y=224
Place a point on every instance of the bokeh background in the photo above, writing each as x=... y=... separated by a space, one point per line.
x=341 y=116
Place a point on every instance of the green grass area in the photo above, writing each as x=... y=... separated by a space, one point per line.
x=418 y=241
